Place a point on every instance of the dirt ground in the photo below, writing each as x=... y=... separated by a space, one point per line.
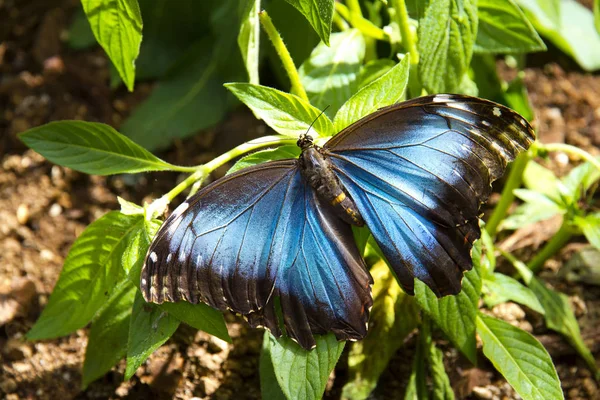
x=43 y=208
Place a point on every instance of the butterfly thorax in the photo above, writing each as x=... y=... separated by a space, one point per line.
x=317 y=170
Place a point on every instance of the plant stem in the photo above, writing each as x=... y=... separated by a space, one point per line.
x=354 y=7
x=566 y=148
x=201 y=172
x=284 y=55
x=339 y=21
x=408 y=40
x=560 y=238
x=515 y=177
x=526 y=273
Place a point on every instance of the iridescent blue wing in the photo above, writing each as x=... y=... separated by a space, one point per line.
x=418 y=172
x=257 y=235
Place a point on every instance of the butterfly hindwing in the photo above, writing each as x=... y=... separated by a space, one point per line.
x=258 y=235
x=418 y=172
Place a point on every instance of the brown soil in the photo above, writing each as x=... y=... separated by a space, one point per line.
x=43 y=208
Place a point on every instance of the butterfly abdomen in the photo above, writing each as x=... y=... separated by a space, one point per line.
x=316 y=169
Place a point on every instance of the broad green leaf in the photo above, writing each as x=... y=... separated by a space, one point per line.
x=560 y=318
x=191 y=98
x=542 y=180
x=107 y=339
x=590 y=225
x=199 y=316
x=446 y=34
x=373 y=70
x=303 y=374
x=286 y=113
x=91 y=272
x=92 y=148
x=129 y=208
x=330 y=74
x=503 y=28
x=319 y=13
x=393 y=317
x=537 y=207
x=117 y=25
x=137 y=246
x=171 y=28
x=149 y=328
x=520 y=358
x=249 y=38
x=385 y=91
x=262 y=156
x=581 y=178
x=455 y=315
x=442 y=390
x=80 y=35
x=269 y=387
x=574 y=33
x=500 y=288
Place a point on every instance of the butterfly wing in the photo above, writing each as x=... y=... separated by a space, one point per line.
x=418 y=172
x=257 y=235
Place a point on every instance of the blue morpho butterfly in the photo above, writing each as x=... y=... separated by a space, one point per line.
x=414 y=173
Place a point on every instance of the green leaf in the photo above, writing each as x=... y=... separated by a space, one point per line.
x=503 y=28
x=500 y=288
x=117 y=25
x=542 y=180
x=373 y=70
x=446 y=34
x=286 y=113
x=520 y=358
x=330 y=74
x=581 y=178
x=137 y=246
x=319 y=13
x=455 y=315
x=560 y=318
x=107 y=339
x=91 y=272
x=537 y=207
x=129 y=208
x=149 y=328
x=574 y=32
x=303 y=374
x=199 y=316
x=249 y=39
x=191 y=98
x=269 y=387
x=92 y=148
x=590 y=225
x=393 y=317
x=516 y=97
x=262 y=156
x=417 y=383
x=442 y=390
x=385 y=91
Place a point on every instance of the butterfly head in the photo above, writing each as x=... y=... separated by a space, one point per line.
x=305 y=141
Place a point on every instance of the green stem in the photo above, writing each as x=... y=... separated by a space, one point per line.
x=339 y=21
x=576 y=151
x=526 y=273
x=201 y=172
x=284 y=55
x=354 y=7
x=408 y=39
x=515 y=177
x=560 y=238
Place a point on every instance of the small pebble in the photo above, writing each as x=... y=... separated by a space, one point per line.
x=55 y=210
x=483 y=393
x=22 y=214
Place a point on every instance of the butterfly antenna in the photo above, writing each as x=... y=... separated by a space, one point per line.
x=315 y=120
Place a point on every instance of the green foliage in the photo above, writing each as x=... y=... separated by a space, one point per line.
x=520 y=358
x=92 y=148
x=446 y=33
x=393 y=317
x=117 y=25
x=280 y=153
x=90 y=274
x=319 y=13
x=149 y=328
x=249 y=39
x=503 y=28
x=302 y=374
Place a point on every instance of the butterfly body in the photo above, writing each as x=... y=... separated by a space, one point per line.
x=414 y=173
x=317 y=170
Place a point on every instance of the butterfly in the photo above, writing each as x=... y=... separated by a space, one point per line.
x=279 y=234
